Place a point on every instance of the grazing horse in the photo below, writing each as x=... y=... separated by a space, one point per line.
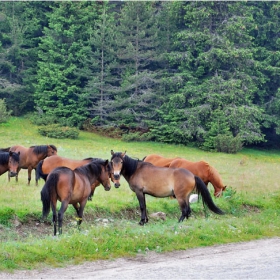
x=46 y=165
x=9 y=161
x=73 y=187
x=159 y=160
x=30 y=157
x=203 y=170
x=145 y=178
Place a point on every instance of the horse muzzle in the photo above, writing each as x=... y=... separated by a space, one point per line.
x=107 y=188
x=117 y=185
x=13 y=174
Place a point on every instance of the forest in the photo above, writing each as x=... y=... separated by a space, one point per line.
x=202 y=73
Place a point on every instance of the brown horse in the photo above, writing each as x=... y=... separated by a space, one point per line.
x=9 y=161
x=73 y=187
x=30 y=157
x=203 y=170
x=145 y=178
x=159 y=160
x=45 y=166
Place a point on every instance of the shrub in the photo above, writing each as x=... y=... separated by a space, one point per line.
x=228 y=144
x=4 y=113
x=58 y=131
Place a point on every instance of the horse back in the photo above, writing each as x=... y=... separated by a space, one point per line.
x=198 y=168
x=56 y=161
x=158 y=160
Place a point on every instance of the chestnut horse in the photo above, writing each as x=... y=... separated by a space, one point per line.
x=73 y=187
x=145 y=178
x=158 y=160
x=30 y=157
x=203 y=170
x=46 y=165
x=9 y=161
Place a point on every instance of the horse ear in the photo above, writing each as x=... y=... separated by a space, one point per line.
x=123 y=154
x=112 y=152
x=18 y=153
x=106 y=162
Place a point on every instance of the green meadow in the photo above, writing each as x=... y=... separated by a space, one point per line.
x=110 y=226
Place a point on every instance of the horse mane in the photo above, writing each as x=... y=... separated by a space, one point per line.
x=129 y=164
x=42 y=149
x=5 y=149
x=92 y=167
x=4 y=158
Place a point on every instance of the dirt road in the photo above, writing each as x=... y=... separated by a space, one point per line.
x=251 y=260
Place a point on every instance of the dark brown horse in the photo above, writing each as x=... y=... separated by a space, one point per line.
x=30 y=157
x=205 y=171
x=45 y=166
x=9 y=161
x=145 y=178
x=73 y=187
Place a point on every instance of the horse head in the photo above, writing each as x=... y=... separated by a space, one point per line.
x=13 y=163
x=52 y=150
x=219 y=192
x=105 y=175
x=116 y=165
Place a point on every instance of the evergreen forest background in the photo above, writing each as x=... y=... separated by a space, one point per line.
x=194 y=73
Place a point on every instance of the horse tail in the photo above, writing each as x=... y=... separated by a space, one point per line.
x=206 y=197
x=47 y=192
x=39 y=172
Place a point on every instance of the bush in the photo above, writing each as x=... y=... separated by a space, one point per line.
x=4 y=114
x=228 y=144
x=58 y=131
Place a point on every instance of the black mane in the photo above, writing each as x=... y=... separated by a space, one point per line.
x=42 y=149
x=94 y=167
x=4 y=158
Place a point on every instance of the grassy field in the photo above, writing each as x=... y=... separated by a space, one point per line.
x=110 y=227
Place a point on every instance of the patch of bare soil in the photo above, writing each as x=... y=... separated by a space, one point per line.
x=247 y=260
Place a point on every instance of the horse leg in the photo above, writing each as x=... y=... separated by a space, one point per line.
x=81 y=212
x=53 y=205
x=29 y=175
x=64 y=205
x=77 y=208
x=185 y=209
x=142 y=202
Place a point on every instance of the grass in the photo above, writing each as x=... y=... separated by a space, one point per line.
x=110 y=227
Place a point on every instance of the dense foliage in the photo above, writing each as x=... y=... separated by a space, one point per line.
x=178 y=72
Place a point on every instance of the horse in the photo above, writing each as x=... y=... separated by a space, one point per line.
x=9 y=161
x=145 y=178
x=204 y=170
x=46 y=165
x=159 y=160
x=72 y=187
x=30 y=157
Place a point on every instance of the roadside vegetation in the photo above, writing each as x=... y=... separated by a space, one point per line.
x=110 y=227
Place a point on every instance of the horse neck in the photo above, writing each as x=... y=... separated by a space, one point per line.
x=129 y=167
x=4 y=163
x=215 y=179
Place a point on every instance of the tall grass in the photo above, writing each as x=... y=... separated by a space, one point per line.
x=110 y=227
